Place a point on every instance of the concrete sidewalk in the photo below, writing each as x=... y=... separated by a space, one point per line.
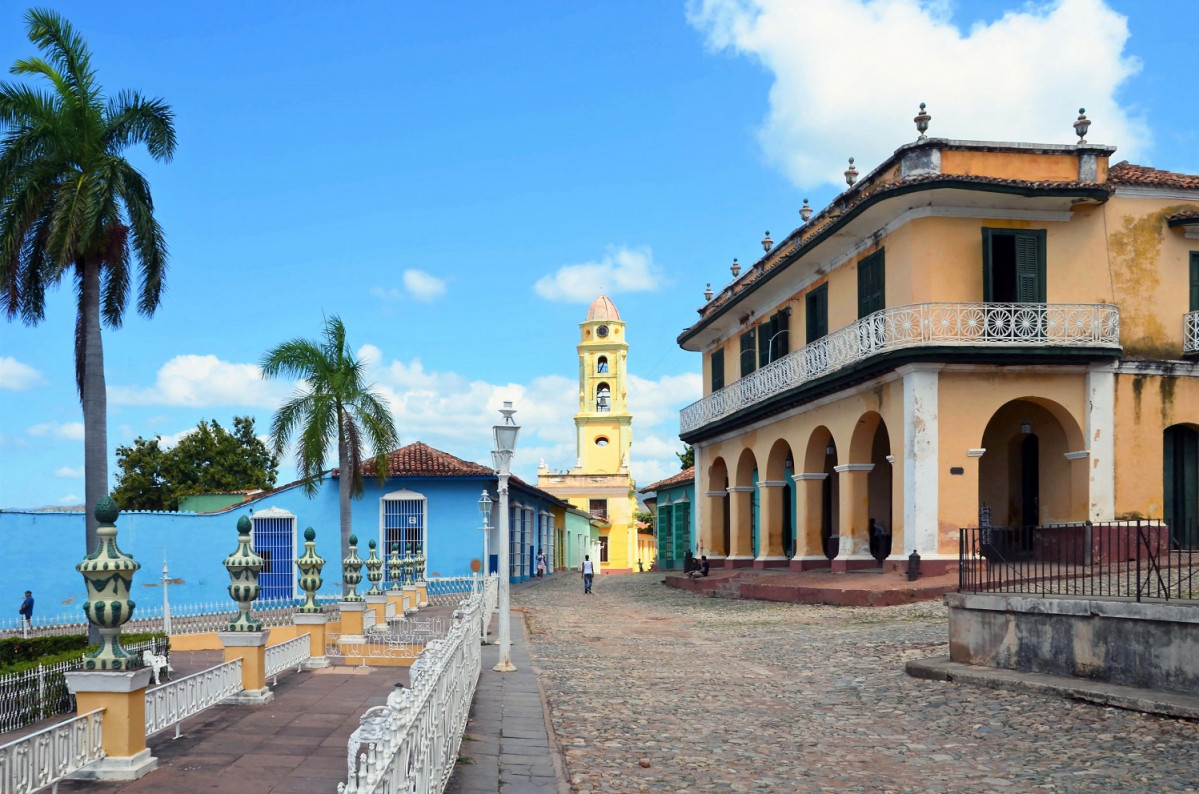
x=508 y=740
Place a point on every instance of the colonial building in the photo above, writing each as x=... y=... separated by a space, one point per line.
x=972 y=332
x=599 y=482
x=674 y=519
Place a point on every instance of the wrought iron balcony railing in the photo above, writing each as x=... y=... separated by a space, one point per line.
x=1190 y=332
x=999 y=325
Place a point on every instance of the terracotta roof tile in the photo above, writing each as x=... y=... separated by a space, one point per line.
x=421 y=460
x=1186 y=217
x=1126 y=173
x=685 y=476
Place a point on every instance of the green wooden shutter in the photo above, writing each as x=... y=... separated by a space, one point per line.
x=717 y=370
x=988 y=295
x=816 y=305
x=749 y=353
x=780 y=332
x=871 y=285
x=765 y=334
x=1030 y=288
x=682 y=529
x=1195 y=281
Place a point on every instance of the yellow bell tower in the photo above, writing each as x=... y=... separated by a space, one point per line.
x=599 y=482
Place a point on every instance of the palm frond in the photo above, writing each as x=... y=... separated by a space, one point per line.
x=131 y=119
x=295 y=358
x=53 y=34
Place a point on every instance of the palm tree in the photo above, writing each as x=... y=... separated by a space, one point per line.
x=70 y=201
x=332 y=405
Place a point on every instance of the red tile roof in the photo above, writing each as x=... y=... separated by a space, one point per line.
x=685 y=476
x=1126 y=173
x=421 y=460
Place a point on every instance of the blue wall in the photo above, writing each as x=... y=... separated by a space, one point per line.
x=194 y=544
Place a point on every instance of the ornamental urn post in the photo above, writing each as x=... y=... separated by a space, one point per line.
x=395 y=567
x=108 y=573
x=310 y=565
x=351 y=568
x=244 y=566
x=420 y=567
x=374 y=571
x=407 y=565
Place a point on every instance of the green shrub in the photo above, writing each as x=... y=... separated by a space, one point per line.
x=18 y=654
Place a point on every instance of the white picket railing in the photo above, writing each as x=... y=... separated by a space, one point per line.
x=174 y=702
x=44 y=758
x=1190 y=332
x=984 y=325
x=411 y=743
x=286 y=655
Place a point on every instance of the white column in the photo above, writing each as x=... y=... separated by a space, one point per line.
x=1101 y=441
x=920 y=460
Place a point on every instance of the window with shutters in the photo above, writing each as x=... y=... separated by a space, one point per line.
x=1195 y=281
x=273 y=537
x=1014 y=266
x=598 y=508
x=402 y=515
x=717 y=362
x=749 y=352
x=872 y=291
x=772 y=337
x=816 y=305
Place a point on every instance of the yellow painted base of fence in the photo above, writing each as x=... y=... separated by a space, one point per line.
x=405 y=656
x=209 y=641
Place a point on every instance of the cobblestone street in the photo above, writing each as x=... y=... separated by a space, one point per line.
x=723 y=695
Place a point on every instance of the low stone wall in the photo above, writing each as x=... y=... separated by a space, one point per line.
x=1148 y=645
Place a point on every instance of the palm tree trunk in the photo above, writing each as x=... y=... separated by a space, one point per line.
x=345 y=479
x=95 y=406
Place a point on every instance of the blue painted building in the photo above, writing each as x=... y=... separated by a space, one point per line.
x=429 y=504
x=674 y=517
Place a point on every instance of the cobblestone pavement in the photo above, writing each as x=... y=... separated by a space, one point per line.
x=655 y=689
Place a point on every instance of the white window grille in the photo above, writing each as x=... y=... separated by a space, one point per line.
x=402 y=520
x=273 y=537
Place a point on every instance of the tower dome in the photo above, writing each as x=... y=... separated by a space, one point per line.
x=602 y=308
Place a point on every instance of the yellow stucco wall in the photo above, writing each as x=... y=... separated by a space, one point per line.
x=1145 y=406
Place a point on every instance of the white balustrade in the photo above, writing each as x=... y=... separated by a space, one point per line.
x=174 y=702
x=44 y=758
x=411 y=744
x=982 y=325
x=285 y=655
x=1190 y=332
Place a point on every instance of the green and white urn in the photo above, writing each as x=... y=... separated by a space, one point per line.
x=395 y=567
x=420 y=567
x=310 y=565
x=244 y=566
x=351 y=571
x=374 y=571
x=108 y=573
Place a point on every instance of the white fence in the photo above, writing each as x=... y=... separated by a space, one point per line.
x=1190 y=332
x=42 y=759
x=411 y=744
x=172 y=703
x=984 y=325
x=285 y=655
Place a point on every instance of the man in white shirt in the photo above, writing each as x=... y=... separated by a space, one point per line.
x=588 y=574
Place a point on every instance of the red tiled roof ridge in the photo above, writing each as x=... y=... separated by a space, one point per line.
x=420 y=458
x=686 y=475
x=1126 y=173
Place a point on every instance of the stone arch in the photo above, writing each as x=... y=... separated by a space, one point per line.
x=742 y=513
x=817 y=499
x=872 y=494
x=776 y=499
x=716 y=516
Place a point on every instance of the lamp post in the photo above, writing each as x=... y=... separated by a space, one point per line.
x=504 y=435
x=485 y=508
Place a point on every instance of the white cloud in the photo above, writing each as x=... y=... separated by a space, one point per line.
x=658 y=401
x=67 y=472
x=849 y=75
x=15 y=376
x=423 y=286
x=620 y=270
x=199 y=381
x=72 y=431
x=70 y=499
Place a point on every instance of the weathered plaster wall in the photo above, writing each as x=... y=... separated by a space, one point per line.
x=1163 y=394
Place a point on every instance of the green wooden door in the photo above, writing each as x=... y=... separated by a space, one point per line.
x=816 y=308
x=872 y=295
x=1194 y=281
x=1180 y=477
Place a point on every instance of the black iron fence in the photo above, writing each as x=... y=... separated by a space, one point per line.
x=1122 y=559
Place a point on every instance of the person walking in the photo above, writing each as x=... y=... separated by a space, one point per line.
x=588 y=574
x=540 y=564
x=26 y=613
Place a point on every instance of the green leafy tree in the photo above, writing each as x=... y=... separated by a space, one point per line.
x=645 y=517
x=334 y=406
x=71 y=203
x=210 y=459
x=686 y=457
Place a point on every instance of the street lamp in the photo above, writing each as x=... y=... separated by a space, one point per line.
x=504 y=435
x=485 y=508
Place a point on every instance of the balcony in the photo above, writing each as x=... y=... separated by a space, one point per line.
x=931 y=325
x=1190 y=333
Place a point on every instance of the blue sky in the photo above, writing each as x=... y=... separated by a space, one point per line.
x=458 y=181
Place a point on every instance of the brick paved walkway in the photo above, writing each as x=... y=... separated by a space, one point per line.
x=726 y=695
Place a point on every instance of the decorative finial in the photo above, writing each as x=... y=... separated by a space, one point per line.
x=851 y=174
x=1081 y=125
x=922 y=120
x=244 y=565
x=805 y=211
x=736 y=268
x=708 y=292
x=310 y=564
x=108 y=576
x=767 y=243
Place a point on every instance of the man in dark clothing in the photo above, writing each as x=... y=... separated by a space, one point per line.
x=26 y=610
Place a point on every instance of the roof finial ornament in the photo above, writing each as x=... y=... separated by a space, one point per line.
x=736 y=268
x=922 y=121
x=1081 y=125
x=805 y=211
x=851 y=174
x=708 y=292
x=767 y=243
